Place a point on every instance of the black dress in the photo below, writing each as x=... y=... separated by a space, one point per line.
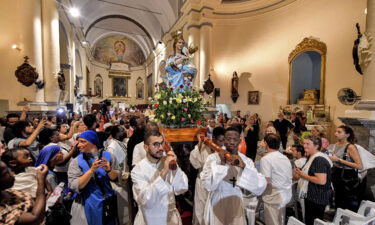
x=251 y=140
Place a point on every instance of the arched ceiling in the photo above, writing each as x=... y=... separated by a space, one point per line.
x=144 y=21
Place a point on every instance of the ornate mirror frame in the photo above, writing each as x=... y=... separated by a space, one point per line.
x=310 y=44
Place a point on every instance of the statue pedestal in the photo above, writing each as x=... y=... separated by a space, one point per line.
x=183 y=141
x=182 y=134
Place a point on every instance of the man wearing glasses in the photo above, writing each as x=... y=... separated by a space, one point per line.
x=155 y=184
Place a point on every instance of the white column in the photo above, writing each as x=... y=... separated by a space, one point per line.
x=205 y=52
x=72 y=71
x=51 y=49
x=368 y=94
x=194 y=38
x=31 y=38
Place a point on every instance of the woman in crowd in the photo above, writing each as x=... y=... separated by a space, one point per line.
x=49 y=137
x=117 y=148
x=77 y=128
x=262 y=143
x=344 y=174
x=63 y=129
x=314 y=185
x=51 y=156
x=251 y=138
x=257 y=119
x=89 y=175
x=16 y=207
x=319 y=131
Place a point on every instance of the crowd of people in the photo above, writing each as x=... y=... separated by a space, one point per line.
x=106 y=168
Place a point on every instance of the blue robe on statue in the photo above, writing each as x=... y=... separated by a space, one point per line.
x=175 y=73
x=91 y=193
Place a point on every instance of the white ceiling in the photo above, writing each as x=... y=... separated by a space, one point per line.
x=144 y=21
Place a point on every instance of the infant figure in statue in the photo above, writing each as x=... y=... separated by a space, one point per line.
x=180 y=69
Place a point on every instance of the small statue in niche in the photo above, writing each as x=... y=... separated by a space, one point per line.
x=234 y=88
x=61 y=80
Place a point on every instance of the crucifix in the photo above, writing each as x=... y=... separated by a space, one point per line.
x=233 y=180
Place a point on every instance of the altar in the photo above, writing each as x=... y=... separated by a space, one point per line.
x=316 y=115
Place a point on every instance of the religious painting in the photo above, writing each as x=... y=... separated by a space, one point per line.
x=162 y=71
x=118 y=48
x=253 y=98
x=149 y=86
x=139 y=88
x=120 y=88
x=98 y=86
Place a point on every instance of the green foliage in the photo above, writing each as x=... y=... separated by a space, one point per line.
x=178 y=108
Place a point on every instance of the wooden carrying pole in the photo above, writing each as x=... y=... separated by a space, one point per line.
x=215 y=147
x=173 y=163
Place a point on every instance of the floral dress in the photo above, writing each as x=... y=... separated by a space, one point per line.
x=19 y=203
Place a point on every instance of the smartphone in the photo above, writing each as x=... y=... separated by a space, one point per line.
x=100 y=154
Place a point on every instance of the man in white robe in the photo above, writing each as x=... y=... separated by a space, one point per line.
x=155 y=184
x=197 y=158
x=277 y=169
x=224 y=178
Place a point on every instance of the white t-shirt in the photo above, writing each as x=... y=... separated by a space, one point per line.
x=277 y=167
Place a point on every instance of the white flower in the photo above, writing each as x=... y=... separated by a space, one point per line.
x=169 y=113
x=157 y=96
x=189 y=115
x=184 y=100
x=165 y=102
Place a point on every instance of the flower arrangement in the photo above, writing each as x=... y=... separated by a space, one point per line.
x=183 y=107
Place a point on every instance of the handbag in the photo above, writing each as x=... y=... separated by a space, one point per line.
x=349 y=178
x=109 y=202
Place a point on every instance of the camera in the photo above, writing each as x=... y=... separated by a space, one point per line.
x=104 y=106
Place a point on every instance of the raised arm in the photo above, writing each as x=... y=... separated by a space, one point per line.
x=213 y=172
x=148 y=193
x=33 y=136
x=38 y=210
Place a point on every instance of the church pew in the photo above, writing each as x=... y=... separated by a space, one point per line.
x=293 y=221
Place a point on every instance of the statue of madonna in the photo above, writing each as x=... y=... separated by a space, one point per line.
x=179 y=67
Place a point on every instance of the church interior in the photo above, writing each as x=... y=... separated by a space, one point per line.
x=259 y=40
x=262 y=57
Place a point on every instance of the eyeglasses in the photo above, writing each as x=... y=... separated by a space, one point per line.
x=157 y=144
